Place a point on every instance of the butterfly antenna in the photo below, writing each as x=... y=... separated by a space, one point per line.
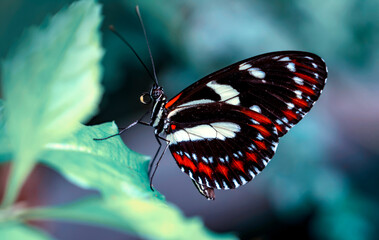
x=112 y=28
x=147 y=42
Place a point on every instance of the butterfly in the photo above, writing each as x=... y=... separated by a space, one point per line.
x=223 y=129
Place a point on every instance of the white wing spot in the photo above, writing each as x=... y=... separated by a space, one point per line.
x=298 y=94
x=236 y=183
x=256 y=72
x=256 y=108
x=274 y=147
x=194 y=156
x=314 y=65
x=285 y=59
x=259 y=136
x=291 y=67
x=255 y=122
x=218 y=130
x=217 y=185
x=225 y=185
x=290 y=106
x=199 y=180
x=309 y=58
x=243 y=180
x=252 y=174
x=298 y=80
x=206 y=182
x=196 y=102
x=265 y=162
x=226 y=92
x=244 y=66
x=256 y=170
x=316 y=75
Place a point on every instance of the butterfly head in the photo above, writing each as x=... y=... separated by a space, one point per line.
x=156 y=93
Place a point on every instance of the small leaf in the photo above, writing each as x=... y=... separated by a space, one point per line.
x=14 y=230
x=50 y=84
x=108 y=165
x=146 y=218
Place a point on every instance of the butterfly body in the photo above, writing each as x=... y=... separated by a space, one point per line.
x=224 y=129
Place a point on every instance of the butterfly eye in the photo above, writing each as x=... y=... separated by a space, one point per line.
x=145 y=98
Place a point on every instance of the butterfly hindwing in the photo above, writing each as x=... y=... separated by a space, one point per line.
x=221 y=145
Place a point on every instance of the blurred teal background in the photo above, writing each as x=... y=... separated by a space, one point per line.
x=321 y=184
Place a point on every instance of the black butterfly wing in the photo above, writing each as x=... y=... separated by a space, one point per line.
x=252 y=103
x=221 y=145
x=281 y=85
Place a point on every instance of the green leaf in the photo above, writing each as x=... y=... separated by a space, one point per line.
x=146 y=218
x=50 y=84
x=14 y=230
x=127 y=202
x=108 y=165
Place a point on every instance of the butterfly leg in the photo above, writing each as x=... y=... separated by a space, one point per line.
x=155 y=158
x=139 y=121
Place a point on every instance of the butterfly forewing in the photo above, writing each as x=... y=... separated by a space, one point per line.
x=224 y=128
x=281 y=85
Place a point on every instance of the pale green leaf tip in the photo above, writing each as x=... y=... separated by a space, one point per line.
x=52 y=76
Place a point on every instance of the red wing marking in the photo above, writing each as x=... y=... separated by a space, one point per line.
x=306 y=89
x=185 y=161
x=260 y=144
x=222 y=169
x=173 y=126
x=205 y=169
x=300 y=102
x=256 y=116
x=289 y=114
x=238 y=165
x=280 y=128
x=172 y=101
x=306 y=77
x=303 y=65
x=261 y=129
x=252 y=156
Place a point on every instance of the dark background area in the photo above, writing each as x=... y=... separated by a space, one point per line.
x=321 y=184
